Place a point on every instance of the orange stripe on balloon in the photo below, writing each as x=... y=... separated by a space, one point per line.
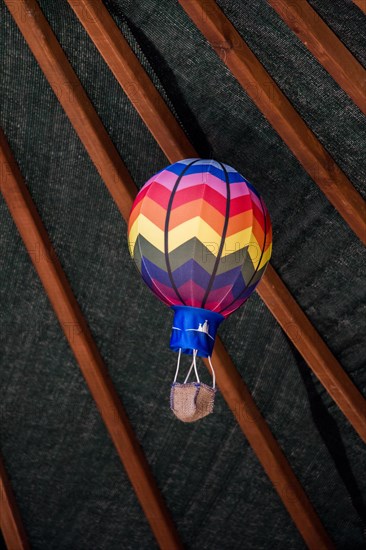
x=154 y=212
x=239 y=222
x=258 y=214
x=199 y=208
x=135 y=212
x=258 y=232
x=269 y=233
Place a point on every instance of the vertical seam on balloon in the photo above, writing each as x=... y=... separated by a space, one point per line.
x=166 y=233
x=260 y=259
x=217 y=307
x=224 y=231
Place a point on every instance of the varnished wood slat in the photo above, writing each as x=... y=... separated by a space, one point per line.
x=70 y=93
x=325 y=46
x=263 y=443
x=313 y=349
x=76 y=330
x=136 y=84
x=361 y=4
x=10 y=521
x=268 y=97
x=98 y=23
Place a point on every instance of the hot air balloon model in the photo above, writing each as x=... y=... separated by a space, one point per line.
x=201 y=238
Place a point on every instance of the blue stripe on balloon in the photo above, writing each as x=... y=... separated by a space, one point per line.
x=191 y=270
x=178 y=167
x=253 y=190
x=152 y=271
x=233 y=177
x=184 y=162
x=211 y=162
x=240 y=295
x=229 y=168
x=238 y=287
x=227 y=278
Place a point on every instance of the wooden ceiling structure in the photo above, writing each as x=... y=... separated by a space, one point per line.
x=265 y=93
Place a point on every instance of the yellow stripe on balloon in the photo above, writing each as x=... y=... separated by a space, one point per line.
x=194 y=228
x=266 y=256
x=236 y=242
x=152 y=233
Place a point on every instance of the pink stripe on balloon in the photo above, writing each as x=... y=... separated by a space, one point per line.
x=192 y=294
x=167 y=178
x=233 y=307
x=204 y=178
x=256 y=200
x=141 y=194
x=165 y=293
x=238 y=189
x=215 y=298
x=159 y=194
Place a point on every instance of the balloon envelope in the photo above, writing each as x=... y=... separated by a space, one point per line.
x=200 y=236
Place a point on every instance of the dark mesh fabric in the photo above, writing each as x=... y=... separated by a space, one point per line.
x=347 y=20
x=70 y=486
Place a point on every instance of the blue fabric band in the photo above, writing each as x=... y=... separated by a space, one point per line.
x=194 y=328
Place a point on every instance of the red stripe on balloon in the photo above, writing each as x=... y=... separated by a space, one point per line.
x=211 y=196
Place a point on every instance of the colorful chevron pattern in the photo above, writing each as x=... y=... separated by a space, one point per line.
x=200 y=235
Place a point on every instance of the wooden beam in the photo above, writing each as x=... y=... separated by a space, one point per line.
x=275 y=106
x=10 y=521
x=360 y=4
x=313 y=349
x=136 y=84
x=99 y=24
x=76 y=330
x=325 y=46
x=70 y=93
x=263 y=443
